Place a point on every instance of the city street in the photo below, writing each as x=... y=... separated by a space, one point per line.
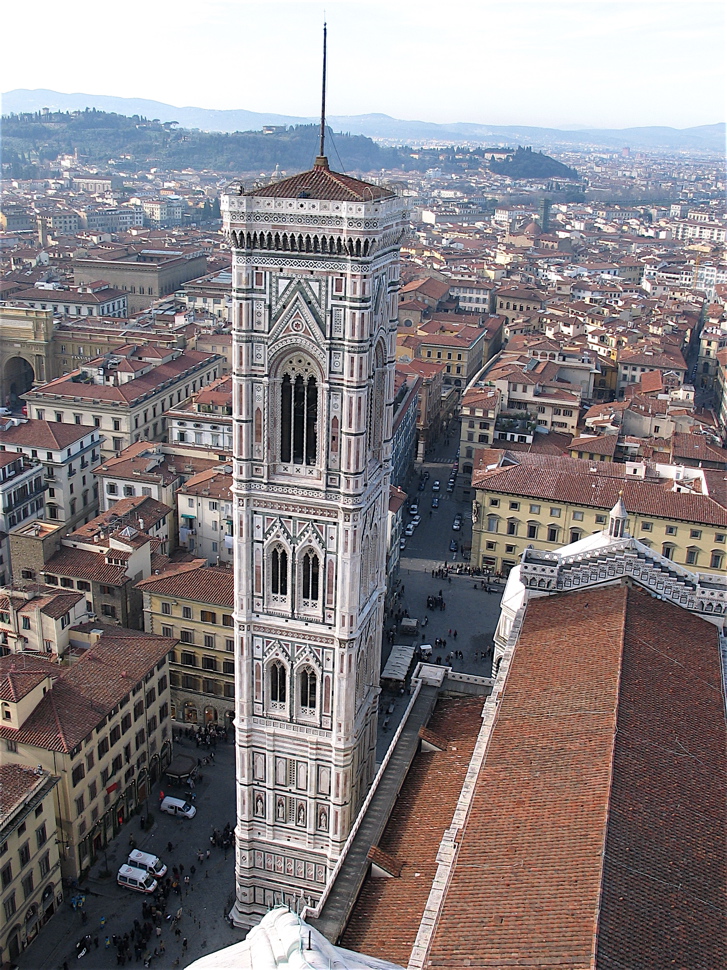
x=469 y=609
x=112 y=909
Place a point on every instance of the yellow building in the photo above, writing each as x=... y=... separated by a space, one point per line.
x=30 y=880
x=101 y=725
x=524 y=499
x=193 y=604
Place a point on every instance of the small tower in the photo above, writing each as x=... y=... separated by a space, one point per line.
x=618 y=520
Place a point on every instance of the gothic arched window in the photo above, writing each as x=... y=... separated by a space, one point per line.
x=298 y=418
x=278 y=684
x=279 y=572
x=311 y=576
x=308 y=683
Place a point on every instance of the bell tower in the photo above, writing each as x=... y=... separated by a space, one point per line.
x=315 y=277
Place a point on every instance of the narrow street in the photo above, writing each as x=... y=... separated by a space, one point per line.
x=469 y=610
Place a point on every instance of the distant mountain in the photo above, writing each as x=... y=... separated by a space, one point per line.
x=703 y=138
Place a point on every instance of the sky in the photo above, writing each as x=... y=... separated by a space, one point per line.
x=572 y=64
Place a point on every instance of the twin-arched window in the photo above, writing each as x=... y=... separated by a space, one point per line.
x=305 y=685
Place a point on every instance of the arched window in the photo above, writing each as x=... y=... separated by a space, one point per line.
x=308 y=682
x=278 y=684
x=311 y=577
x=279 y=572
x=298 y=419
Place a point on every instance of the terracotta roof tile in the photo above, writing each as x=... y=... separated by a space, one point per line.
x=572 y=480
x=386 y=917
x=321 y=183
x=202 y=583
x=16 y=783
x=596 y=835
x=85 y=692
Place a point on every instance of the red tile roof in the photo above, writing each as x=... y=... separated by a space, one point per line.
x=16 y=783
x=321 y=183
x=51 y=435
x=84 y=693
x=127 y=393
x=596 y=836
x=202 y=583
x=83 y=564
x=386 y=917
x=597 y=484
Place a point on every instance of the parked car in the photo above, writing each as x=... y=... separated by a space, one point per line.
x=413 y=508
x=402 y=543
x=178 y=807
x=450 y=487
x=422 y=485
x=409 y=531
x=453 y=546
x=416 y=520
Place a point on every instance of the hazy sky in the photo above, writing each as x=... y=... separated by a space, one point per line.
x=607 y=64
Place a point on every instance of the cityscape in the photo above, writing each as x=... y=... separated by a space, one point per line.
x=363 y=537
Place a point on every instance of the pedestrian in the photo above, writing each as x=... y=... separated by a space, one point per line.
x=208 y=854
x=184 y=944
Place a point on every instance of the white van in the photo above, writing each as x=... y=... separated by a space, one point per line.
x=139 y=879
x=150 y=863
x=178 y=807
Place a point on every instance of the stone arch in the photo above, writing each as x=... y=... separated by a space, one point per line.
x=18 y=377
x=299 y=410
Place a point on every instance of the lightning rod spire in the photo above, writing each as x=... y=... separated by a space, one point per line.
x=322 y=161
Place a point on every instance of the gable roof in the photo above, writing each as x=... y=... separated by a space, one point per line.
x=596 y=837
x=84 y=693
x=597 y=484
x=202 y=583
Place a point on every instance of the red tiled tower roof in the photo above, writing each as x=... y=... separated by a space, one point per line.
x=321 y=183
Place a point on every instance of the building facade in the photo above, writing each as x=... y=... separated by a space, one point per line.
x=315 y=285
x=193 y=604
x=101 y=725
x=526 y=499
x=30 y=878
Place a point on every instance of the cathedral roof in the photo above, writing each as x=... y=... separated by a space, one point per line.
x=321 y=183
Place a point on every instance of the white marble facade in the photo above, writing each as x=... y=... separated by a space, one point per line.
x=314 y=329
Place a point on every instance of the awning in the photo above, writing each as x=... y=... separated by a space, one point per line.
x=112 y=788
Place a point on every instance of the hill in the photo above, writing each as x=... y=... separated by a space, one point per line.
x=527 y=164
x=702 y=138
x=136 y=143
